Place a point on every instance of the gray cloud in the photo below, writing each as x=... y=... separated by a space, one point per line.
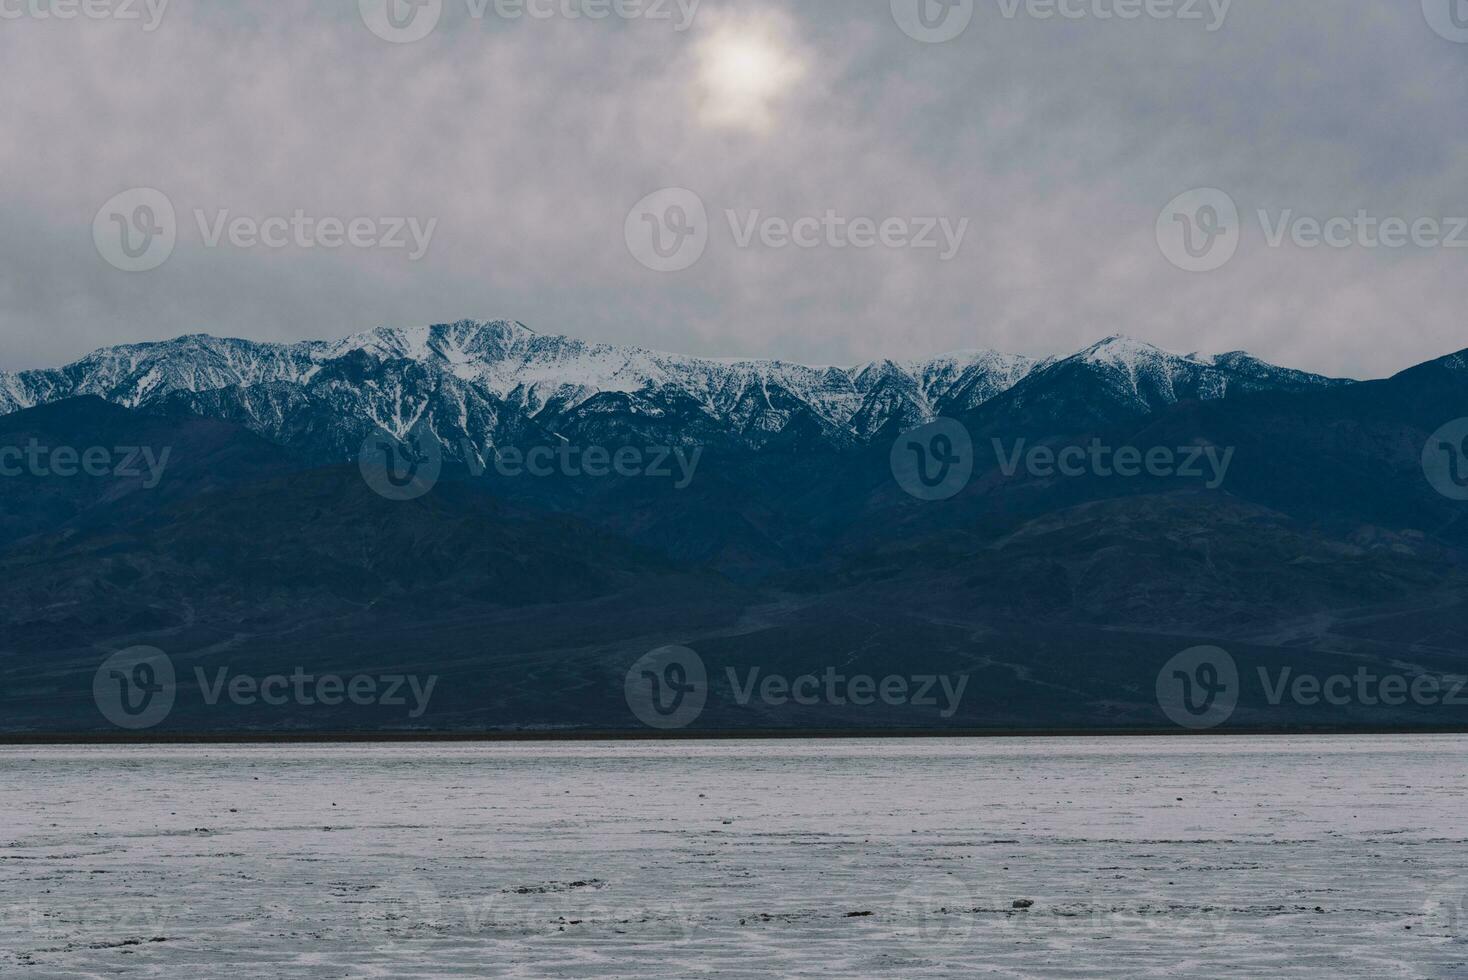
x=530 y=140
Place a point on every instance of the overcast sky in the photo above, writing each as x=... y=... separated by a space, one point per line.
x=1054 y=145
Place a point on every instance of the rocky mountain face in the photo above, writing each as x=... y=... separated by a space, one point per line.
x=496 y=384
x=1325 y=548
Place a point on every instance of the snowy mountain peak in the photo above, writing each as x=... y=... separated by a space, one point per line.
x=1124 y=350
x=491 y=380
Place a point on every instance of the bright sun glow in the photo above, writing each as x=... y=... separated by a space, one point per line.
x=742 y=71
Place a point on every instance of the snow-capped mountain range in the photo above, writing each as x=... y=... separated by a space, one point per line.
x=500 y=383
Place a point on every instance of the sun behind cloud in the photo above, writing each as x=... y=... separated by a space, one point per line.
x=744 y=67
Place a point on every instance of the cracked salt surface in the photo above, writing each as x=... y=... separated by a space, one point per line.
x=1279 y=858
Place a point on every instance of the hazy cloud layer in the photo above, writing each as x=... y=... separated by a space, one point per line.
x=1059 y=141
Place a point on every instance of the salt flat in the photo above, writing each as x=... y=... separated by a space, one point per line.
x=1270 y=857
